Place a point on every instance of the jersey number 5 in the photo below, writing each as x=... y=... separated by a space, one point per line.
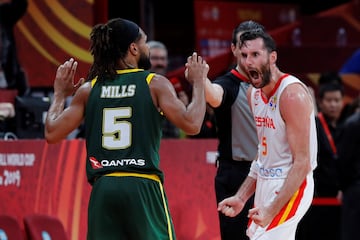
x=116 y=129
x=264 y=144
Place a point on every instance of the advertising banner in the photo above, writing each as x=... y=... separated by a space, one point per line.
x=215 y=21
x=36 y=177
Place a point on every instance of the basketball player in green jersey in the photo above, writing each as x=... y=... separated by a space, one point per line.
x=123 y=106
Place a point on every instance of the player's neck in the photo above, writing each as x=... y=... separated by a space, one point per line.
x=126 y=64
x=276 y=76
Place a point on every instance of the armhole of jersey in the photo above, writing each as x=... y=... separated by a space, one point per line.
x=93 y=82
x=150 y=77
x=148 y=80
x=252 y=97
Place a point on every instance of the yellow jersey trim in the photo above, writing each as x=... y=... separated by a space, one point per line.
x=130 y=70
x=148 y=78
x=128 y=174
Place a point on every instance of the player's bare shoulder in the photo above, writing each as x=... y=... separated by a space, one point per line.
x=296 y=93
x=83 y=92
x=294 y=99
x=160 y=82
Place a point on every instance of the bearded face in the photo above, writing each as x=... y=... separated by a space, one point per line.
x=260 y=76
x=144 y=62
x=266 y=74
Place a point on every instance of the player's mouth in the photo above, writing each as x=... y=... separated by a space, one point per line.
x=254 y=74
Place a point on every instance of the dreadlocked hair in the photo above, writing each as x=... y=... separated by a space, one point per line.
x=104 y=52
x=110 y=43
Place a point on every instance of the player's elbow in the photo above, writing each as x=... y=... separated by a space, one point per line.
x=49 y=139
x=50 y=136
x=192 y=129
x=304 y=167
x=308 y=167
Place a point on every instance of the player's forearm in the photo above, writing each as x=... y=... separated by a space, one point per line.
x=56 y=108
x=196 y=109
x=213 y=94
x=247 y=189
x=183 y=97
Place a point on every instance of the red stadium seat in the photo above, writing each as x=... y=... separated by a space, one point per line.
x=10 y=228
x=44 y=227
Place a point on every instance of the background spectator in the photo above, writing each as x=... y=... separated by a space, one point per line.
x=328 y=125
x=349 y=174
x=11 y=74
x=159 y=64
x=328 y=129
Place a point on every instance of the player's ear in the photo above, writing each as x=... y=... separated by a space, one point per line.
x=273 y=57
x=133 y=48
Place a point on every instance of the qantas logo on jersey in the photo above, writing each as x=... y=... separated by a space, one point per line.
x=118 y=91
x=265 y=122
x=96 y=164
